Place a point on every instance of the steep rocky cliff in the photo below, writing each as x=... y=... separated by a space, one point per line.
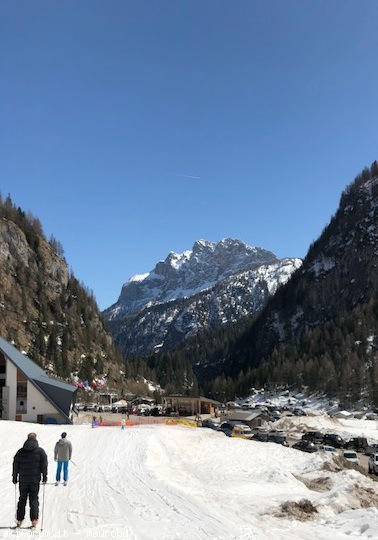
x=44 y=310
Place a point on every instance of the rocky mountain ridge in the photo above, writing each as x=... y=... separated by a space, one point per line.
x=186 y=274
x=210 y=285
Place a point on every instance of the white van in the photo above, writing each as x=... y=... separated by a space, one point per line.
x=351 y=455
x=373 y=464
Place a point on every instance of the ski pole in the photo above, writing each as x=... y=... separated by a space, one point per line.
x=43 y=505
x=15 y=500
x=73 y=463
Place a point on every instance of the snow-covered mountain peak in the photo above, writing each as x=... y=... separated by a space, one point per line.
x=176 y=260
x=182 y=275
x=139 y=277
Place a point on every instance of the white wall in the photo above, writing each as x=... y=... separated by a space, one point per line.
x=36 y=402
x=11 y=383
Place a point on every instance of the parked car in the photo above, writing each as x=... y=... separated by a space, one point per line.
x=242 y=432
x=328 y=449
x=79 y=406
x=333 y=439
x=89 y=407
x=351 y=455
x=227 y=427
x=371 y=449
x=313 y=436
x=373 y=464
x=305 y=446
x=210 y=423
x=359 y=444
x=299 y=412
x=278 y=439
x=262 y=437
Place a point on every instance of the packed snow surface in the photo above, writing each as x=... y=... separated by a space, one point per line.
x=160 y=482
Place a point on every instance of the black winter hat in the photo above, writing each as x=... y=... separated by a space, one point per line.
x=64 y=435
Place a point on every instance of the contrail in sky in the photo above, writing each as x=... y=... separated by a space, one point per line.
x=189 y=176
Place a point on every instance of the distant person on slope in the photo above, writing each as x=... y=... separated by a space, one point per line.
x=62 y=454
x=29 y=465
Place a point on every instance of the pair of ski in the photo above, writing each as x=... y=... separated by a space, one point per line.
x=57 y=483
x=21 y=528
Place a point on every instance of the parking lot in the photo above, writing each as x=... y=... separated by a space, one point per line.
x=109 y=418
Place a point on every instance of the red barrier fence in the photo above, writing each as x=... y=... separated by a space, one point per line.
x=144 y=420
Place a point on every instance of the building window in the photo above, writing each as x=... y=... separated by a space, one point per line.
x=21 y=401
x=2 y=363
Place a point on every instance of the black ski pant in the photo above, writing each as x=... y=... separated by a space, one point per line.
x=28 y=489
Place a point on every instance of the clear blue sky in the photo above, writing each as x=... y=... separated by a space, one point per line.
x=133 y=128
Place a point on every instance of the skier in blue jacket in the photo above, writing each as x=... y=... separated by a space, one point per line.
x=62 y=454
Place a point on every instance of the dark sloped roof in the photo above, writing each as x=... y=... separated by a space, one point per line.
x=246 y=416
x=57 y=391
x=192 y=398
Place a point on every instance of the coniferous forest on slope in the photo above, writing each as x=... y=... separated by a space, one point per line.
x=44 y=310
x=319 y=330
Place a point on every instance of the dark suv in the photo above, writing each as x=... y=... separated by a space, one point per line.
x=278 y=439
x=313 y=436
x=332 y=439
x=371 y=449
x=262 y=437
x=305 y=446
x=359 y=444
x=227 y=427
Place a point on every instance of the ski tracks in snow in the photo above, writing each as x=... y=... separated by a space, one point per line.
x=126 y=488
x=115 y=488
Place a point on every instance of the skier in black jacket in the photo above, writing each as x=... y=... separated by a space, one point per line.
x=29 y=465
